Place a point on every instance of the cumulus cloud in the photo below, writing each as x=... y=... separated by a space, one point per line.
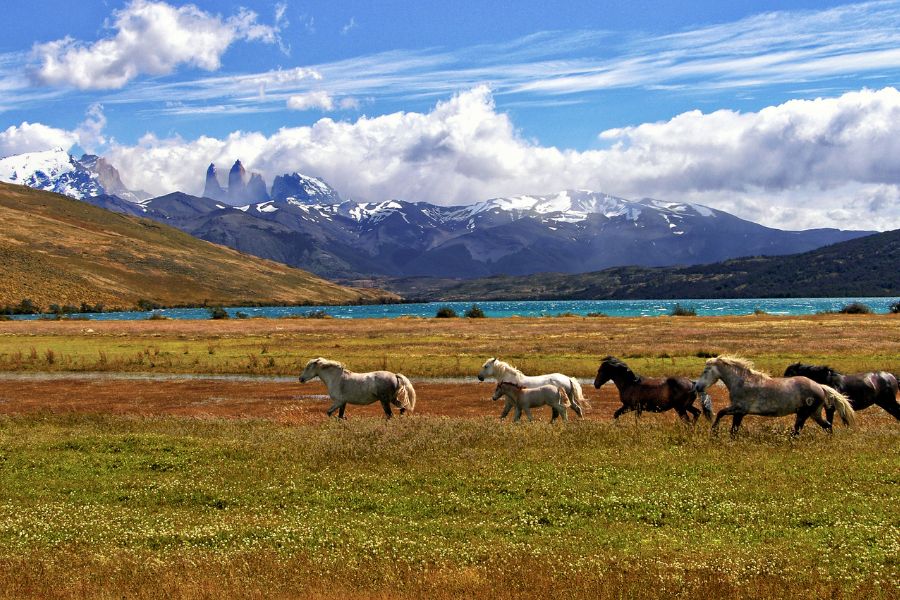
x=825 y=162
x=34 y=137
x=313 y=100
x=90 y=132
x=151 y=38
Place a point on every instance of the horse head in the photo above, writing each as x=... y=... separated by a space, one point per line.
x=710 y=375
x=312 y=368
x=609 y=368
x=487 y=369
x=503 y=388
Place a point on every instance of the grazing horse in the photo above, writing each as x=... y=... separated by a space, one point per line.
x=502 y=371
x=653 y=394
x=346 y=387
x=863 y=389
x=753 y=392
x=524 y=399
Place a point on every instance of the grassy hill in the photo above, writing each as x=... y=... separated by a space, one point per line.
x=55 y=250
x=867 y=266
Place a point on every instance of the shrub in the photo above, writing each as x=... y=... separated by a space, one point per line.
x=217 y=312
x=317 y=314
x=241 y=315
x=856 y=308
x=157 y=316
x=145 y=305
x=894 y=309
x=445 y=312
x=683 y=311
x=597 y=314
x=5 y=317
x=474 y=312
x=705 y=354
x=759 y=312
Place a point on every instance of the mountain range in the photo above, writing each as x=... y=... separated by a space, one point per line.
x=866 y=266
x=302 y=221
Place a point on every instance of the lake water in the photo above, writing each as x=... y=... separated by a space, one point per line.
x=532 y=308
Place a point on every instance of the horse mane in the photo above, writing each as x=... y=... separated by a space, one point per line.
x=324 y=362
x=512 y=383
x=508 y=367
x=741 y=364
x=615 y=363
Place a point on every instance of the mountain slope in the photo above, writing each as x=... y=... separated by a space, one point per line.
x=58 y=250
x=866 y=266
x=573 y=231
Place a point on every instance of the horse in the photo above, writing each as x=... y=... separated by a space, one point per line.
x=525 y=399
x=653 y=394
x=346 y=387
x=753 y=392
x=863 y=389
x=502 y=371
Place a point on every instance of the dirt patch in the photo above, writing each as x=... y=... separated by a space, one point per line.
x=278 y=401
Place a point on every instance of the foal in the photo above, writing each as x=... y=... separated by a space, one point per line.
x=524 y=399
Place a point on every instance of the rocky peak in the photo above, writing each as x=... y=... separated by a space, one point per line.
x=212 y=189
x=256 y=189
x=304 y=189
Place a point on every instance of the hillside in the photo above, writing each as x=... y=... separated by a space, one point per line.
x=867 y=266
x=56 y=250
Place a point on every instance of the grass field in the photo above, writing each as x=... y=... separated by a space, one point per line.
x=449 y=347
x=210 y=489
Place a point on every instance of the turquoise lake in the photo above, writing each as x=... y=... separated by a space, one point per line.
x=533 y=308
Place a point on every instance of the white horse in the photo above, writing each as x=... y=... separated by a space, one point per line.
x=346 y=387
x=524 y=399
x=753 y=392
x=502 y=371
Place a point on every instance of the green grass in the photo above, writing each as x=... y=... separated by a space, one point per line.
x=426 y=505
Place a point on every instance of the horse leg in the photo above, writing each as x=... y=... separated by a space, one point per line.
x=387 y=408
x=553 y=413
x=829 y=414
x=506 y=410
x=694 y=411
x=684 y=416
x=826 y=425
x=528 y=413
x=728 y=410
x=621 y=410
x=889 y=404
x=736 y=422
x=518 y=414
x=802 y=415
x=337 y=405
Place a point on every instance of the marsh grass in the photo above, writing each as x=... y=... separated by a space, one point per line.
x=440 y=507
x=457 y=347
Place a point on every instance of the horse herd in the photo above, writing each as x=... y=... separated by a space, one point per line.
x=804 y=391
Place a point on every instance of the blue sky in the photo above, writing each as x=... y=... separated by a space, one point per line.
x=586 y=89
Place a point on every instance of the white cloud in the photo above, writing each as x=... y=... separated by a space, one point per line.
x=318 y=100
x=350 y=26
x=151 y=38
x=826 y=162
x=34 y=137
x=90 y=131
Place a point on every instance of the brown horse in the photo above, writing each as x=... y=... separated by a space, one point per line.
x=653 y=394
x=863 y=389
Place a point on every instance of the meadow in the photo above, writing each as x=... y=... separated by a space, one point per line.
x=108 y=490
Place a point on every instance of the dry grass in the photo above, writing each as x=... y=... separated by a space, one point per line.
x=55 y=250
x=452 y=347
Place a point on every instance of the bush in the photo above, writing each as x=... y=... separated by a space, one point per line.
x=217 y=312
x=597 y=314
x=157 y=316
x=445 y=312
x=895 y=308
x=474 y=312
x=856 y=308
x=317 y=314
x=683 y=311
x=241 y=315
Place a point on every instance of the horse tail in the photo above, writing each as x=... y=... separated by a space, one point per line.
x=835 y=399
x=705 y=402
x=563 y=397
x=578 y=394
x=406 y=394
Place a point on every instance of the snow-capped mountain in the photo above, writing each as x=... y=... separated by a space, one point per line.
x=58 y=171
x=303 y=222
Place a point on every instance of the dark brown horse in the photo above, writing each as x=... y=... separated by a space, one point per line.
x=863 y=389
x=653 y=394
